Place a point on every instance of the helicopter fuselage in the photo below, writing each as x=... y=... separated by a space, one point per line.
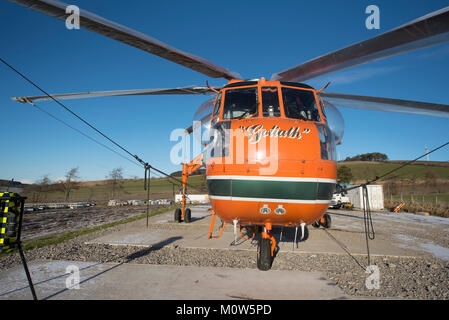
x=271 y=165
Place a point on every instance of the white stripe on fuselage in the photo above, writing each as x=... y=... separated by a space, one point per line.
x=269 y=200
x=263 y=178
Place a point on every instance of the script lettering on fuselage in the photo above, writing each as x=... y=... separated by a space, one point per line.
x=257 y=132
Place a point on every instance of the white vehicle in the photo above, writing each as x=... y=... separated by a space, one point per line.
x=339 y=198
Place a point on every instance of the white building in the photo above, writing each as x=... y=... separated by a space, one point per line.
x=375 y=197
x=193 y=198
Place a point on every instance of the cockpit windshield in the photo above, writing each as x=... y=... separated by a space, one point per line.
x=240 y=103
x=270 y=102
x=300 y=104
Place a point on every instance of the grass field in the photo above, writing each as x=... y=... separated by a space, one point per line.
x=423 y=186
x=361 y=171
x=366 y=170
x=131 y=189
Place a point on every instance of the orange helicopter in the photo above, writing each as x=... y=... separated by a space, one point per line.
x=270 y=158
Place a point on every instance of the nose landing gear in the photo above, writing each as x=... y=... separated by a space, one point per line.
x=266 y=249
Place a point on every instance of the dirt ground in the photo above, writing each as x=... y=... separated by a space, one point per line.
x=42 y=223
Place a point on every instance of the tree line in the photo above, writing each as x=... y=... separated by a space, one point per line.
x=39 y=190
x=373 y=156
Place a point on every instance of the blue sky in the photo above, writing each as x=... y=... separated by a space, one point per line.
x=254 y=38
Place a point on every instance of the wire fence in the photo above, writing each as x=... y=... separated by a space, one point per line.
x=433 y=204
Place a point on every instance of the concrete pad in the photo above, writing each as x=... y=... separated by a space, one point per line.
x=137 y=281
x=396 y=235
x=347 y=228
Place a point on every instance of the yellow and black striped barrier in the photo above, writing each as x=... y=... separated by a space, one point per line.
x=11 y=210
x=11 y=217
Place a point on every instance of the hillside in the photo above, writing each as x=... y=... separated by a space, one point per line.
x=101 y=191
x=420 y=178
x=367 y=170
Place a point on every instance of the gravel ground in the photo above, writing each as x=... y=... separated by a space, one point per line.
x=400 y=277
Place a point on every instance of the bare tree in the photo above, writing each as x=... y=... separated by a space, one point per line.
x=70 y=182
x=44 y=185
x=115 y=182
x=39 y=188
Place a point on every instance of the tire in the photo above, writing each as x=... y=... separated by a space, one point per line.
x=178 y=215
x=264 y=258
x=187 y=215
x=327 y=221
x=316 y=224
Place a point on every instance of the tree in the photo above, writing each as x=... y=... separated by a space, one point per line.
x=374 y=156
x=70 y=182
x=40 y=188
x=344 y=174
x=115 y=182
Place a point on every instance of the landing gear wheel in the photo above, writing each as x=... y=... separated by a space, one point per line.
x=264 y=258
x=187 y=215
x=327 y=221
x=178 y=215
x=316 y=224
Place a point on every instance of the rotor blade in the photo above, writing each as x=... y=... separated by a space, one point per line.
x=387 y=104
x=428 y=30
x=131 y=37
x=137 y=92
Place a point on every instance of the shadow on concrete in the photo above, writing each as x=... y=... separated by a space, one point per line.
x=281 y=234
x=345 y=215
x=81 y=282
x=193 y=219
x=154 y=247
x=47 y=280
x=131 y=257
x=287 y=234
x=198 y=218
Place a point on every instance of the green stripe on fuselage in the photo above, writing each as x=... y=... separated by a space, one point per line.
x=292 y=190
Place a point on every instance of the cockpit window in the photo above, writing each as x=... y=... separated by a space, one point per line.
x=300 y=104
x=240 y=103
x=270 y=102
